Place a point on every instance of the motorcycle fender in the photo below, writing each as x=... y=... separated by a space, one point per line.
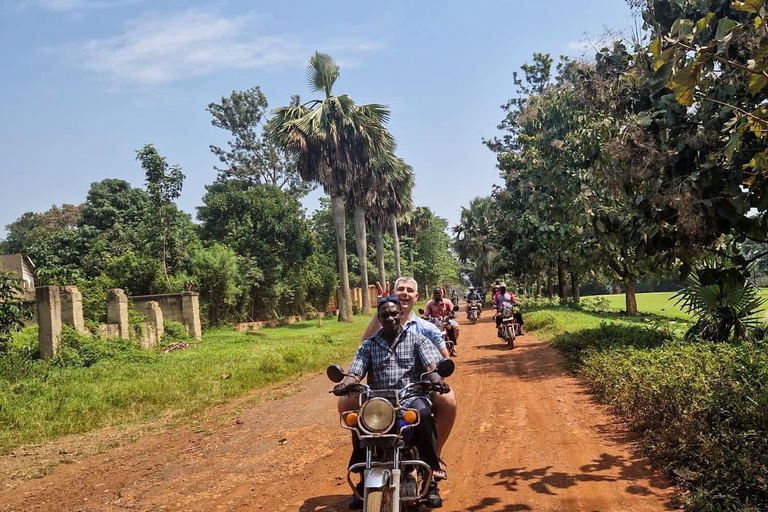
x=377 y=478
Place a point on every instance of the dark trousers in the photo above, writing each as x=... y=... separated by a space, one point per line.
x=424 y=437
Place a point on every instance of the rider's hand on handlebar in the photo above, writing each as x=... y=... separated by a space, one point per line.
x=440 y=385
x=342 y=389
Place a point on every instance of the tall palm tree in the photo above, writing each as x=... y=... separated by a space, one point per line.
x=412 y=221
x=475 y=235
x=334 y=141
x=394 y=195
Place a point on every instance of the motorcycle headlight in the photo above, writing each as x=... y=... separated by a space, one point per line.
x=507 y=313
x=377 y=415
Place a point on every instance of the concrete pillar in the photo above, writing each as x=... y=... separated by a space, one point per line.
x=190 y=311
x=117 y=312
x=72 y=308
x=152 y=330
x=48 y=302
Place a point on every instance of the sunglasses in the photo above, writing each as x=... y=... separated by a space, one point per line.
x=391 y=298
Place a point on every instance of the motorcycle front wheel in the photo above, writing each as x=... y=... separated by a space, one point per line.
x=378 y=501
x=511 y=336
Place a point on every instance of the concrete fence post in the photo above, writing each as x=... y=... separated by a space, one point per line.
x=72 y=308
x=48 y=302
x=117 y=312
x=190 y=310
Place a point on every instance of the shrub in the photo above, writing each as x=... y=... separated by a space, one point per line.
x=702 y=407
x=174 y=332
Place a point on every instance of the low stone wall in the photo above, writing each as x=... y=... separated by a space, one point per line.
x=289 y=320
x=176 y=307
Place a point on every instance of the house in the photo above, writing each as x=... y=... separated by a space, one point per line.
x=22 y=266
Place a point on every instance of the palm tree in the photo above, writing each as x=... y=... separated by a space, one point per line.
x=475 y=235
x=412 y=221
x=394 y=195
x=334 y=141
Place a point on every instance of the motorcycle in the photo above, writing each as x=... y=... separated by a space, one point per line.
x=455 y=299
x=444 y=325
x=394 y=479
x=508 y=328
x=473 y=311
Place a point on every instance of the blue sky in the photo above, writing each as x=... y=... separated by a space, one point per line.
x=87 y=82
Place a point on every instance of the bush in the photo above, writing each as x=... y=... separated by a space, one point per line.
x=79 y=351
x=702 y=407
x=174 y=332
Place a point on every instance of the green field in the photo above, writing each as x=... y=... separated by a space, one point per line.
x=657 y=303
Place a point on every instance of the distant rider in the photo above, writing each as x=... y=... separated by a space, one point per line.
x=441 y=308
x=504 y=298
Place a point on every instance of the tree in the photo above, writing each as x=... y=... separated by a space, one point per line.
x=433 y=262
x=393 y=197
x=475 y=236
x=267 y=229
x=250 y=156
x=164 y=184
x=11 y=303
x=333 y=140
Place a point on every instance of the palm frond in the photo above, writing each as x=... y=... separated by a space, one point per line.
x=322 y=73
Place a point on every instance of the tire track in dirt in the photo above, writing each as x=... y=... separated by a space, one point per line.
x=527 y=437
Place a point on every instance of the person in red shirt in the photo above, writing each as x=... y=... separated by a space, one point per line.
x=504 y=297
x=438 y=307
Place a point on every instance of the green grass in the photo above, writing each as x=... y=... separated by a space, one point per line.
x=42 y=400
x=657 y=303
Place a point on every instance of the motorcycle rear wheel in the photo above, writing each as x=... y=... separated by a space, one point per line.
x=378 y=501
x=511 y=336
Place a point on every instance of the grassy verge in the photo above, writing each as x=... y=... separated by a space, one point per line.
x=702 y=408
x=99 y=383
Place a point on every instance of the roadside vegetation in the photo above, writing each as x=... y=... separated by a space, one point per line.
x=94 y=383
x=700 y=406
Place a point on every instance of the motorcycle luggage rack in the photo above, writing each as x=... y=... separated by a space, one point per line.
x=360 y=468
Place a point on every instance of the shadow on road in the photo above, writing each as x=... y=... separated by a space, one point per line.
x=532 y=361
x=547 y=481
x=336 y=502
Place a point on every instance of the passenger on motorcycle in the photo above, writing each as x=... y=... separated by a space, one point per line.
x=392 y=359
x=407 y=290
x=440 y=308
x=502 y=298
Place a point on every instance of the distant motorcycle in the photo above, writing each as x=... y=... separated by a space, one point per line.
x=473 y=311
x=393 y=476
x=508 y=328
x=444 y=325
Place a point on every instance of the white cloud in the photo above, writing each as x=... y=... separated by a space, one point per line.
x=77 y=5
x=195 y=43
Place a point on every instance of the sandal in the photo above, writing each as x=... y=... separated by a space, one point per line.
x=440 y=474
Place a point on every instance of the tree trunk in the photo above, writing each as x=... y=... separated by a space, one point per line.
x=345 y=298
x=361 y=239
x=631 y=299
x=550 y=285
x=561 y=282
x=378 y=240
x=538 y=286
x=575 y=288
x=396 y=246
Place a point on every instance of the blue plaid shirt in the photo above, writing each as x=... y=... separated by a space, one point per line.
x=398 y=366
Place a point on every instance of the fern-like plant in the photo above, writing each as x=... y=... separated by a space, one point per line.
x=724 y=302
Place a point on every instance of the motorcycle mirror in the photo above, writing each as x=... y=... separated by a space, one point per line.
x=335 y=373
x=446 y=367
x=456 y=307
x=421 y=311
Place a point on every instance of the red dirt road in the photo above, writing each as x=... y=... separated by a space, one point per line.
x=527 y=438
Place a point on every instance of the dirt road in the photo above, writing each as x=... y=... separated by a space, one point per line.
x=528 y=437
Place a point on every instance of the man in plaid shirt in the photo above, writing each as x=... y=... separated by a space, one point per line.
x=392 y=359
